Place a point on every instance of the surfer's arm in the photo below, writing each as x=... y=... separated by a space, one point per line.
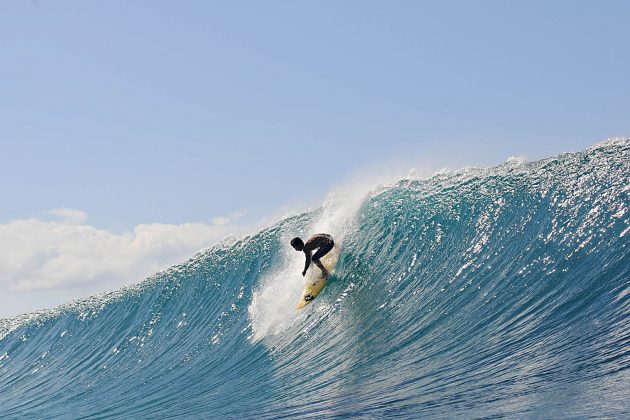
x=308 y=262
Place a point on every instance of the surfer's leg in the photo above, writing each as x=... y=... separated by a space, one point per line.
x=325 y=272
x=323 y=250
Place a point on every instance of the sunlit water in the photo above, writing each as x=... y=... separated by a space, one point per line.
x=498 y=292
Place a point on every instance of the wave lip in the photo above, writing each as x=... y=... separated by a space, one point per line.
x=479 y=292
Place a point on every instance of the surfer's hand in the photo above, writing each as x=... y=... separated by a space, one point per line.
x=303 y=273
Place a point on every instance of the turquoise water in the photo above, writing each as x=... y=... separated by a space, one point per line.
x=501 y=292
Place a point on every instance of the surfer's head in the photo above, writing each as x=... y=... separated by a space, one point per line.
x=297 y=244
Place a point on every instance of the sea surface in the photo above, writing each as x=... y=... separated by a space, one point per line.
x=500 y=292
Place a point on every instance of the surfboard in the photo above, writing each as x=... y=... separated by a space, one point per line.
x=315 y=282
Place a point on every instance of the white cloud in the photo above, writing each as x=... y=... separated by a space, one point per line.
x=69 y=216
x=230 y=218
x=57 y=255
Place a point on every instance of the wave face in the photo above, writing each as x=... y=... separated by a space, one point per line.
x=481 y=292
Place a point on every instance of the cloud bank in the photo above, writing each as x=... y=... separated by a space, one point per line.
x=65 y=253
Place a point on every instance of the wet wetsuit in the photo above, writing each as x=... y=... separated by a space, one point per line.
x=324 y=243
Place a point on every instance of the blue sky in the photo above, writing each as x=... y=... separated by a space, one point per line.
x=145 y=112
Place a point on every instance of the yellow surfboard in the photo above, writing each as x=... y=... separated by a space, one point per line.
x=315 y=282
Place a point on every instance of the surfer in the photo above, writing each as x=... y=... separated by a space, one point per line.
x=322 y=241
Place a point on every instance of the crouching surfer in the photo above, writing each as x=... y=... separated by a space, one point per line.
x=322 y=242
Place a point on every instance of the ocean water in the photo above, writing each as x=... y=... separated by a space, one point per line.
x=498 y=292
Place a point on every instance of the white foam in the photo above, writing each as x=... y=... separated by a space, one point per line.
x=273 y=304
x=273 y=310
